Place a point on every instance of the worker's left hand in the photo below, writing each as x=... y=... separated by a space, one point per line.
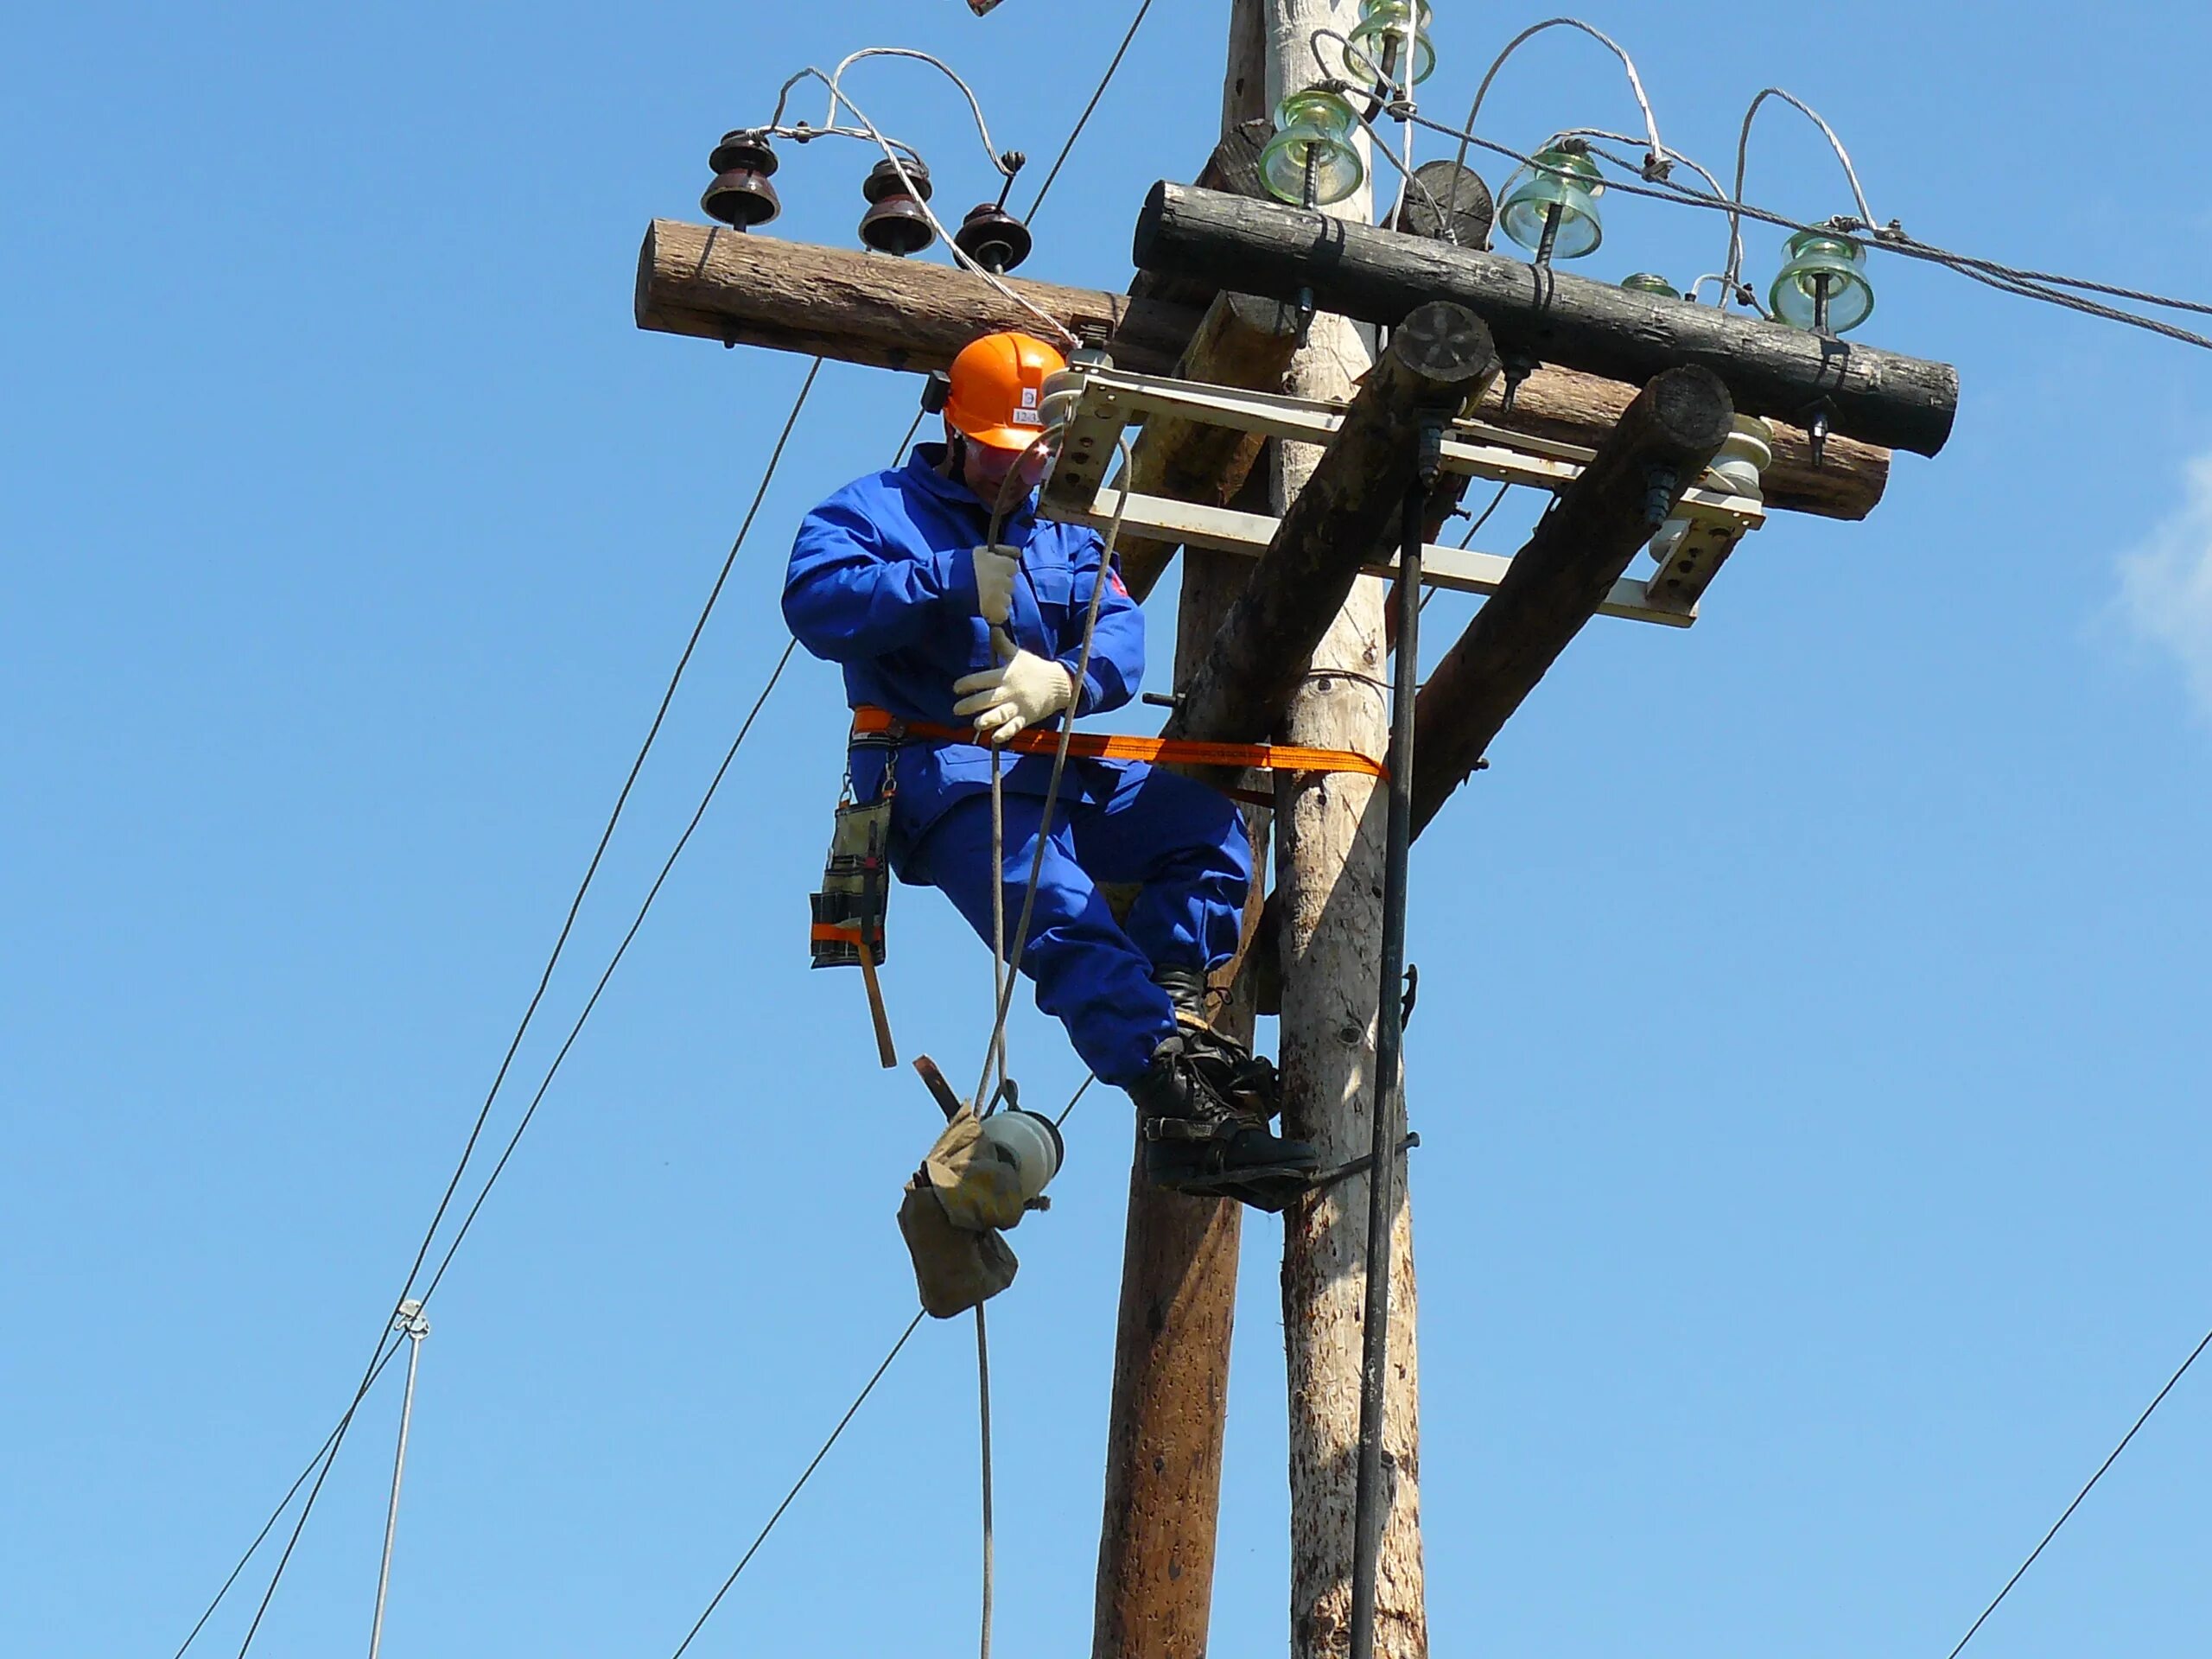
x=1015 y=695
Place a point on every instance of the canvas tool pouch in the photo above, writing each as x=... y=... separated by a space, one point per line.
x=950 y=1217
x=849 y=911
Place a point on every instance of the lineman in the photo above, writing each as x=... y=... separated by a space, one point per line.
x=888 y=578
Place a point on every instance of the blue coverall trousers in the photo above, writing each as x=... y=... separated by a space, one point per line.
x=1184 y=842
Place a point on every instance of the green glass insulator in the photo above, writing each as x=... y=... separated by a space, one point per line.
x=1313 y=131
x=1814 y=260
x=1561 y=178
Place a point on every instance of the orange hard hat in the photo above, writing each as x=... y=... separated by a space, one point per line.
x=998 y=389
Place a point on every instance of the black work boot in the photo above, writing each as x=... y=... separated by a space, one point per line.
x=1203 y=1113
x=1186 y=989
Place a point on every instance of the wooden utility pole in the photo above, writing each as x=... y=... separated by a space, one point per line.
x=1329 y=869
x=1179 y=1255
x=1635 y=392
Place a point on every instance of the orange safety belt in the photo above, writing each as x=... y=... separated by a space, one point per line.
x=869 y=722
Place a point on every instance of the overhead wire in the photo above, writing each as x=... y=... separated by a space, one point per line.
x=276 y=1514
x=1473 y=531
x=1742 y=155
x=919 y=197
x=2006 y=278
x=994 y=1046
x=2112 y=1459
x=1661 y=157
x=644 y=908
x=388 y=1343
x=798 y=1486
x=1659 y=153
x=328 y=1458
x=1083 y=120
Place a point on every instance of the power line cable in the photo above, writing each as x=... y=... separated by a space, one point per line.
x=2083 y=1493
x=382 y=1355
x=620 y=950
x=276 y=1514
x=468 y=1221
x=1084 y=119
x=637 y=922
x=1893 y=239
x=798 y=1485
x=1473 y=531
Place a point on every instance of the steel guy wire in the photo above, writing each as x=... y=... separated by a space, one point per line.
x=382 y=1355
x=805 y=1475
x=410 y=1324
x=1893 y=239
x=2083 y=1493
x=283 y=1504
x=1082 y=1089
x=1081 y=120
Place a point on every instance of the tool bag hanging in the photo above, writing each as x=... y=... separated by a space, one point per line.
x=849 y=911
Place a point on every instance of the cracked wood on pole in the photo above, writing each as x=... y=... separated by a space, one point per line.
x=1265 y=247
x=1329 y=863
x=1439 y=357
x=712 y=283
x=1579 y=548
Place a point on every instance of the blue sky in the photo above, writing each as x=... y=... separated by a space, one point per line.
x=1811 y=1058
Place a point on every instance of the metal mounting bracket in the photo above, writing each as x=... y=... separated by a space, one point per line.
x=1077 y=491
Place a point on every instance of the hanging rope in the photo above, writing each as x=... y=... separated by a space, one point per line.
x=983 y=1392
x=1004 y=983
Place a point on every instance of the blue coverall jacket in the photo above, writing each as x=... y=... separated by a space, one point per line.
x=882 y=582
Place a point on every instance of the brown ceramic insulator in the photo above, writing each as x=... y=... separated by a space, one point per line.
x=883 y=179
x=894 y=222
x=740 y=194
x=897 y=226
x=993 y=237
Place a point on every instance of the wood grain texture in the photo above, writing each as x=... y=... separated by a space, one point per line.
x=1580 y=549
x=1165 y=1429
x=1244 y=342
x=746 y=289
x=715 y=283
x=1329 y=831
x=1378 y=276
x=1346 y=509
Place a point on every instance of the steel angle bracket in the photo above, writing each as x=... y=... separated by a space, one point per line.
x=1077 y=491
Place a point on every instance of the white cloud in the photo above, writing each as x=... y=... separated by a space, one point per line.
x=2165 y=584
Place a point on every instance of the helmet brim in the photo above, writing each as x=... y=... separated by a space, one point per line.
x=1013 y=438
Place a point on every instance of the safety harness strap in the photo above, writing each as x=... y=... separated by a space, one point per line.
x=869 y=722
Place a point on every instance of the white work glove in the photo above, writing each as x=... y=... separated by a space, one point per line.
x=1014 y=695
x=994 y=568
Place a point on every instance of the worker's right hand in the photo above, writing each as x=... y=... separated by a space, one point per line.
x=994 y=568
